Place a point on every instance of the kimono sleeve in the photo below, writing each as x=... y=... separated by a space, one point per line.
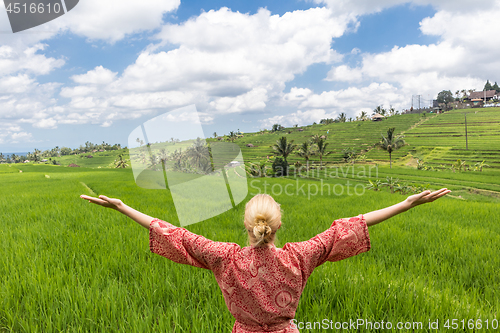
x=184 y=247
x=345 y=238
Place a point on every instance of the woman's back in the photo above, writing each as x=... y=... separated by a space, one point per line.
x=261 y=285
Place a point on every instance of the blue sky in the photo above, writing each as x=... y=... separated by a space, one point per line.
x=100 y=71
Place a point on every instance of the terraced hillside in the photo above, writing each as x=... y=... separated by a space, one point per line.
x=360 y=135
x=441 y=140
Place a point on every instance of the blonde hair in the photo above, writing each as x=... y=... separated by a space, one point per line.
x=262 y=219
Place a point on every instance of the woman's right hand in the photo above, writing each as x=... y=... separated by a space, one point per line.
x=104 y=201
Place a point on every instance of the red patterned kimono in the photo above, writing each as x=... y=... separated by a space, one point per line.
x=261 y=286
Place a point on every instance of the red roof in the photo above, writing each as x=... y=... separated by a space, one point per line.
x=482 y=94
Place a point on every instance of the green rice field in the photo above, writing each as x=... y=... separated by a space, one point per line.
x=69 y=266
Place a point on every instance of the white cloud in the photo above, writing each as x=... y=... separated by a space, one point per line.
x=13 y=133
x=353 y=97
x=98 y=76
x=297 y=94
x=15 y=84
x=351 y=101
x=76 y=92
x=21 y=137
x=463 y=59
x=255 y=99
x=14 y=59
x=361 y=7
x=344 y=73
x=225 y=62
x=161 y=99
x=226 y=54
x=112 y=20
x=48 y=123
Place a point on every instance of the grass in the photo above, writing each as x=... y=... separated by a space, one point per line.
x=68 y=266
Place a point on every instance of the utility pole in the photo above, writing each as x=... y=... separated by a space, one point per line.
x=466 y=142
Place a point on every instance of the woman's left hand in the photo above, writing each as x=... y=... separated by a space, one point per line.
x=104 y=201
x=426 y=196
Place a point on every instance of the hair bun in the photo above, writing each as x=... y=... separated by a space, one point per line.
x=260 y=220
x=261 y=231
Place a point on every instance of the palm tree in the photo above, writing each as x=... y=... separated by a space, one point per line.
x=306 y=152
x=363 y=116
x=322 y=150
x=342 y=118
x=315 y=138
x=232 y=136
x=215 y=135
x=120 y=162
x=15 y=158
x=198 y=153
x=391 y=143
x=36 y=155
x=257 y=170
x=464 y=94
x=380 y=110
x=177 y=156
x=284 y=148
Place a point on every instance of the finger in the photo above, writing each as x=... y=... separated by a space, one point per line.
x=94 y=200
x=424 y=194
x=440 y=193
x=105 y=198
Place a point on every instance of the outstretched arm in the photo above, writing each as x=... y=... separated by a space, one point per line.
x=410 y=202
x=118 y=205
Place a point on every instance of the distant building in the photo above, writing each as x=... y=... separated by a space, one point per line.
x=483 y=95
x=377 y=117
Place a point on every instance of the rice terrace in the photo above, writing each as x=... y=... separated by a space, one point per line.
x=68 y=266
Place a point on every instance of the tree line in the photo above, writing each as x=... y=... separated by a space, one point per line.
x=38 y=155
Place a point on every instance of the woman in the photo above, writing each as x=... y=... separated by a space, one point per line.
x=262 y=284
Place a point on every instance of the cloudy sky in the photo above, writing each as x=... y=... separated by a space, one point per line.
x=106 y=67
